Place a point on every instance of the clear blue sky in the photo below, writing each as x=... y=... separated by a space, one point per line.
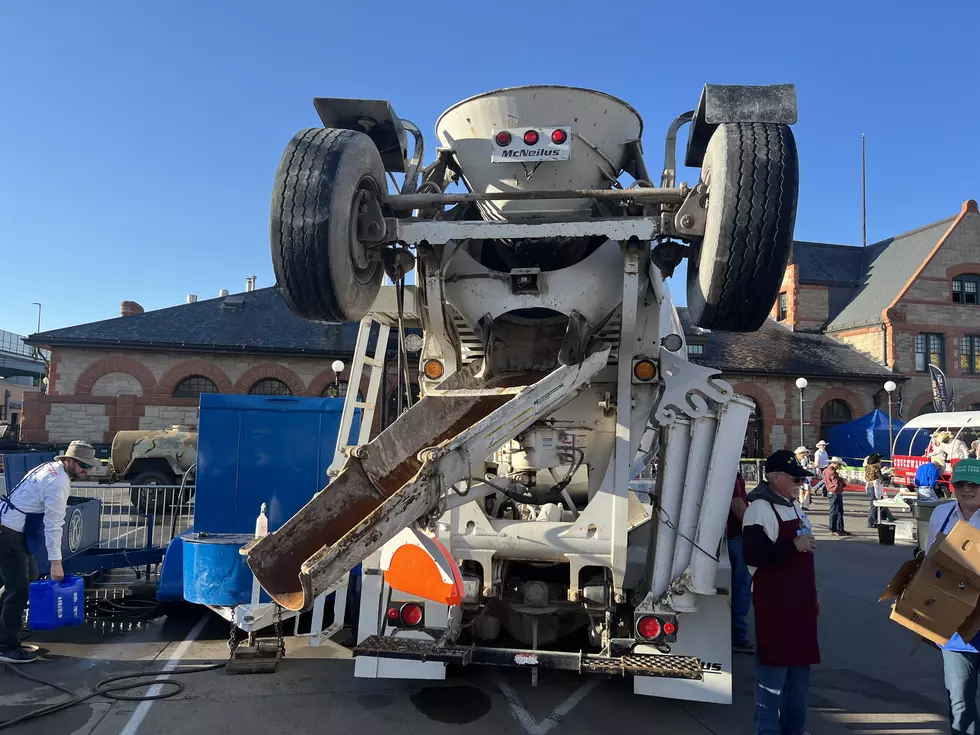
x=138 y=140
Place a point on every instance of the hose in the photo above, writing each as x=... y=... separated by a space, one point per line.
x=126 y=608
x=104 y=689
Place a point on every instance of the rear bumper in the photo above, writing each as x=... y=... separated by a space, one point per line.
x=640 y=664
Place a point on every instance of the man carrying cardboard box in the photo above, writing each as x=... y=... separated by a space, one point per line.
x=961 y=660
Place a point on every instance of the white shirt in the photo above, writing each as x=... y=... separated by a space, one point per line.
x=821 y=459
x=44 y=490
x=941 y=514
x=760 y=513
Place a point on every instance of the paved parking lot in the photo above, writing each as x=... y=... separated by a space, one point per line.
x=875 y=677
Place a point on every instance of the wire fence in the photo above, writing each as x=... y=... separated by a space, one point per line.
x=135 y=517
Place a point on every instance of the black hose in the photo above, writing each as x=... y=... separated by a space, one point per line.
x=126 y=608
x=103 y=689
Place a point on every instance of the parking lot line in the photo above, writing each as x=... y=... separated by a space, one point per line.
x=524 y=717
x=139 y=714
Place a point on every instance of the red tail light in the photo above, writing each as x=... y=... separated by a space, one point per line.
x=648 y=628
x=669 y=628
x=503 y=139
x=559 y=136
x=531 y=137
x=411 y=614
x=393 y=615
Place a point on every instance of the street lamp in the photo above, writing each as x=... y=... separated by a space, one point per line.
x=890 y=387
x=801 y=384
x=338 y=367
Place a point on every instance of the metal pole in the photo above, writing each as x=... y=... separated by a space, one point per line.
x=802 y=440
x=864 y=197
x=891 y=439
x=38 y=315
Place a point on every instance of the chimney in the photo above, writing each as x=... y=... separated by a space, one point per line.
x=250 y=284
x=192 y=298
x=222 y=293
x=130 y=308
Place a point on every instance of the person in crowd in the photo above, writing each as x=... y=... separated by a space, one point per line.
x=961 y=660
x=741 y=580
x=32 y=517
x=927 y=476
x=835 y=486
x=821 y=459
x=874 y=484
x=779 y=546
x=803 y=457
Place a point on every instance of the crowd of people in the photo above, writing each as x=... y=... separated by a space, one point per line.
x=771 y=548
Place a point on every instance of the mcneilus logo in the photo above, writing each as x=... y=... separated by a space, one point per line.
x=530 y=153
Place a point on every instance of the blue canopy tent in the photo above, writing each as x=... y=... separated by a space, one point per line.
x=854 y=441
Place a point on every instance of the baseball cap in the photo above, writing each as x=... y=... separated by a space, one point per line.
x=785 y=461
x=966 y=470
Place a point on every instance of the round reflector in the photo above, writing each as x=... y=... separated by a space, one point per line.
x=669 y=629
x=648 y=627
x=411 y=614
x=503 y=138
x=559 y=136
x=393 y=614
x=433 y=369
x=531 y=137
x=644 y=370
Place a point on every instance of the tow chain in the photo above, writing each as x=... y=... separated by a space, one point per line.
x=278 y=628
x=233 y=641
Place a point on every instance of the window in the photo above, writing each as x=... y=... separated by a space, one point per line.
x=970 y=355
x=929 y=351
x=834 y=413
x=781 y=310
x=965 y=289
x=270 y=387
x=881 y=400
x=695 y=350
x=194 y=386
x=752 y=445
x=337 y=389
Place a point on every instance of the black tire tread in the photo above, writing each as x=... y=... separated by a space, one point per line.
x=300 y=218
x=759 y=227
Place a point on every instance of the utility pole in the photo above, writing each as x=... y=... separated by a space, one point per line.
x=38 y=315
x=864 y=196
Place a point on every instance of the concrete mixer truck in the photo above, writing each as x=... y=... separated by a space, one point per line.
x=497 y=518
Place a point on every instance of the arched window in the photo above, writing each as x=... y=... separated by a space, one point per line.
x=336 y=389
x=881 y=400
x=966 y=288
x=928 y=408
x=270 y=387
x=753 y=446
x=194 y=386
x=834 y=413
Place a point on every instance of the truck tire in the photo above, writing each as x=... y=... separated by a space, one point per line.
x=321 y=267
x=752 y=174
x=144 y=498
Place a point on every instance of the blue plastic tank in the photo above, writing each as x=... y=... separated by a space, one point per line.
x=214 y=572
x=56 y=604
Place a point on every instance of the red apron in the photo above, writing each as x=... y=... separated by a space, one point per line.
x=785 y=601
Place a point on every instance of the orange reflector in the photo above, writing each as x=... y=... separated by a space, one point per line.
x=644 y=370
x=433 y=369
x=413 y=571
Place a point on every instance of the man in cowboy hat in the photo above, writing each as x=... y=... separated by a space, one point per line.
x=32 y=516
x=835 y=486
x=821 y=460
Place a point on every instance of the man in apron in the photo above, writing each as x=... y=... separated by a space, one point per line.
x=778 y=546
x=961 y=660
x=31 y=519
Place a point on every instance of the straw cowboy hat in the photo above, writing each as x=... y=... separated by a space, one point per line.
x=821 y=443
x=82 y=453
x=801 y=450
x=838 y=460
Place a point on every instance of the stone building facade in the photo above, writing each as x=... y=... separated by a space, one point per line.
x=146 y=371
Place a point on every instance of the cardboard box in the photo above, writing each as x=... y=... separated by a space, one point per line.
x=940 y=594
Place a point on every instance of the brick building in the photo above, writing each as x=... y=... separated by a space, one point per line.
x=147 y=370
x=900 y=304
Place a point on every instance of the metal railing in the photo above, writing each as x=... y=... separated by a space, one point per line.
x=137 y=517
x=13 y=344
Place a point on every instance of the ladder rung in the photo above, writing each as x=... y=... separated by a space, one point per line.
x=362 y=404
x=372 y=362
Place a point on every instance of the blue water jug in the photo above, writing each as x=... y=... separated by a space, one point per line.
x=56 y=604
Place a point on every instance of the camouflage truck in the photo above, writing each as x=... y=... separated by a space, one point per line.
x=155 y=457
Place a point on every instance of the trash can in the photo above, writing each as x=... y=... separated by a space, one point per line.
x=922 y=511
x=886 y=534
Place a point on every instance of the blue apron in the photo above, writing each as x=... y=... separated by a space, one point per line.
x=956 y=643
x=33 y=523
